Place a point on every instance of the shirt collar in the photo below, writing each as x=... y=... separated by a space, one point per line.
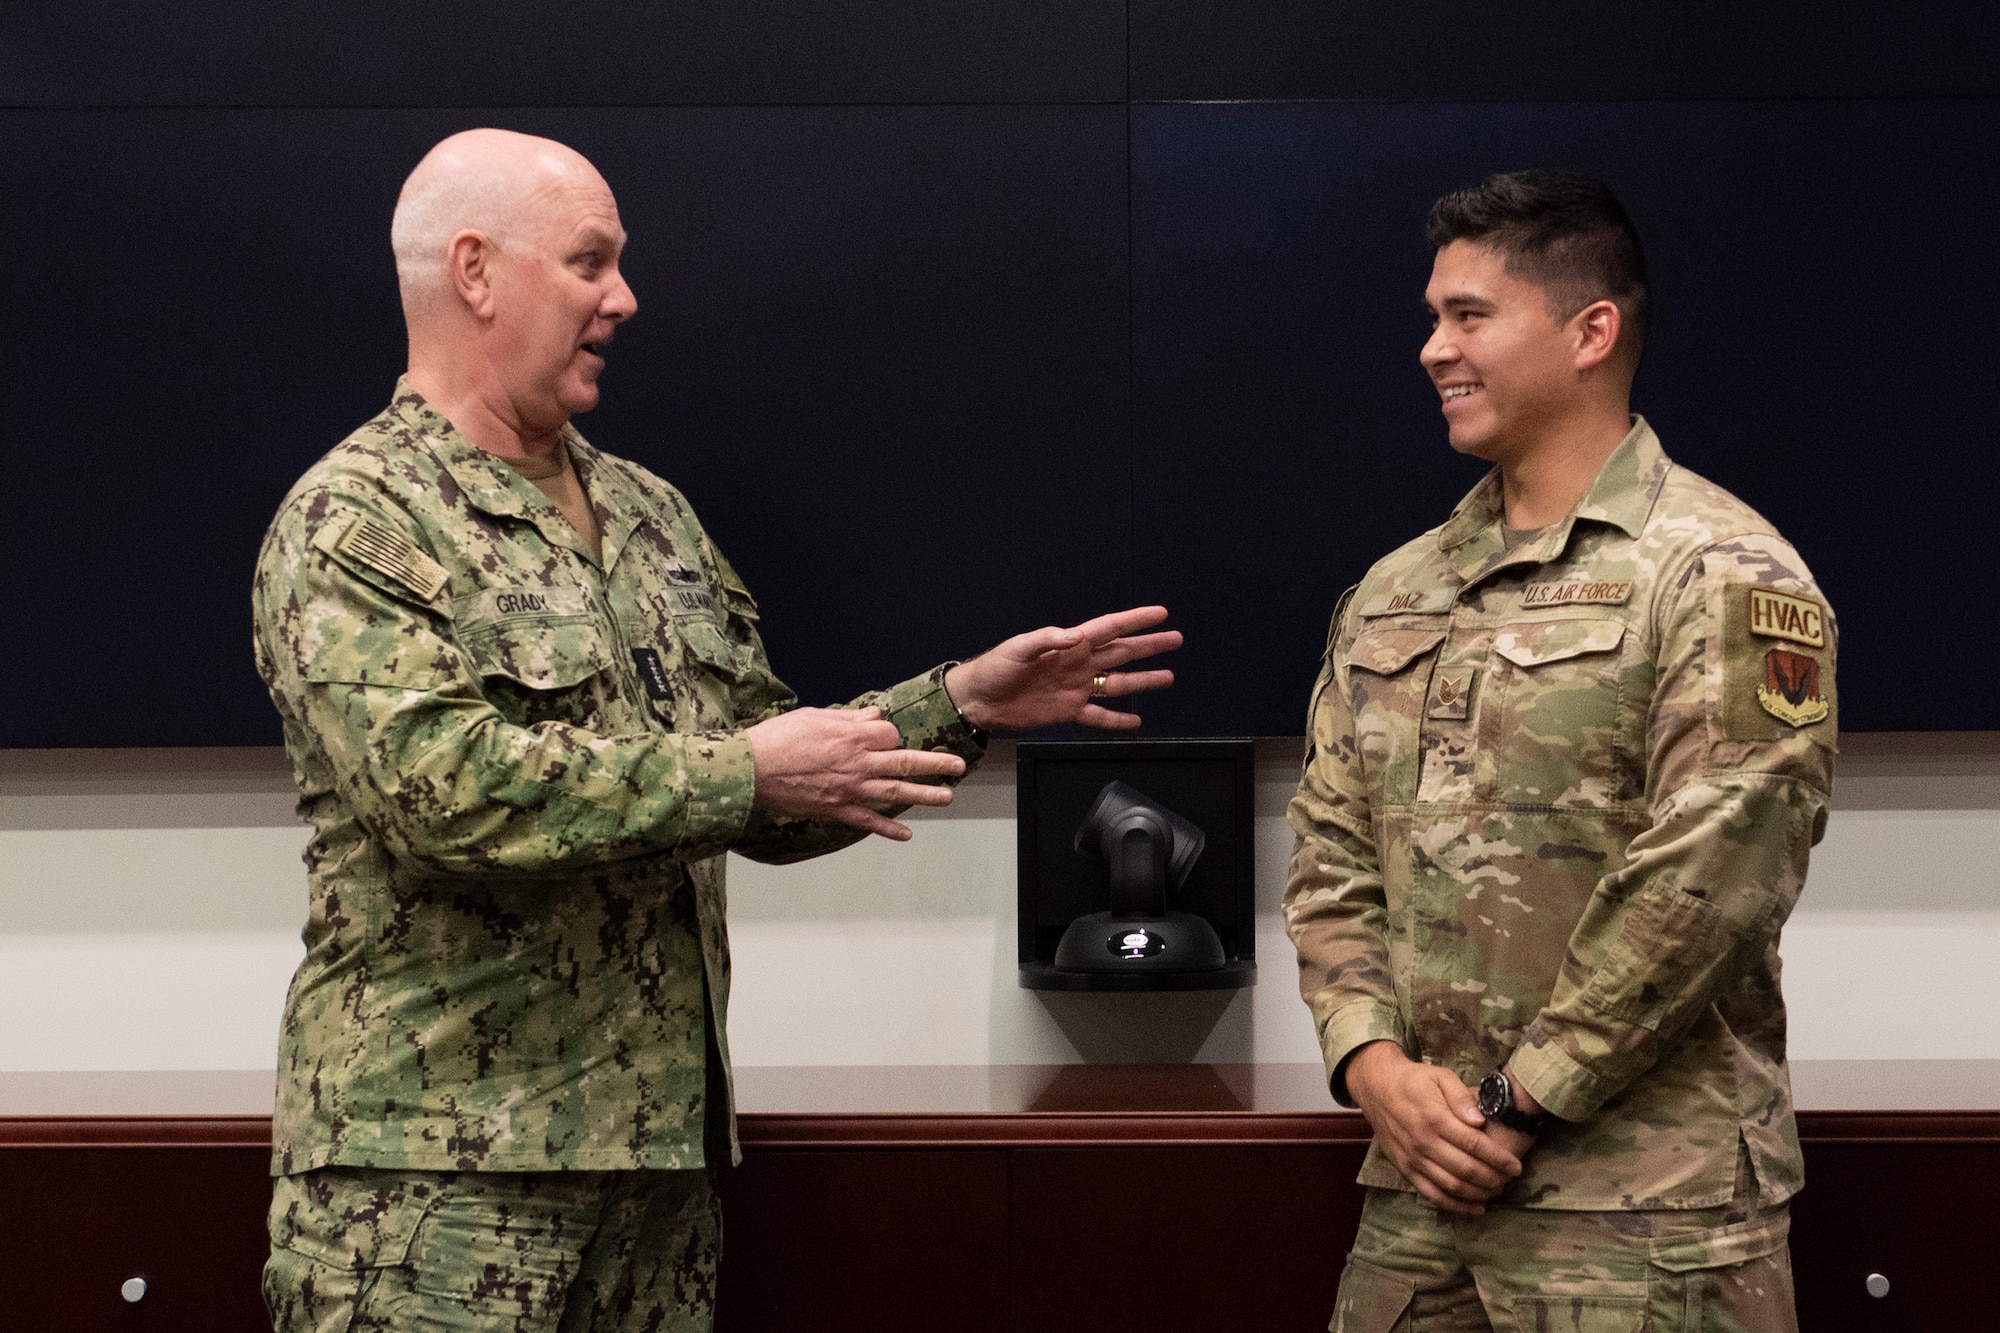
x=488 y=483
x=1621 y=496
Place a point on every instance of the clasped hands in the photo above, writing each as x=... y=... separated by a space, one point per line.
x=847 y=764
x=1429 y=1125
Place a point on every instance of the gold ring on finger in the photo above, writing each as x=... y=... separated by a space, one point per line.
x=1099 y=685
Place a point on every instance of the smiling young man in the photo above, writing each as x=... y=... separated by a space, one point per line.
x=1566 y=759
x=528 y=709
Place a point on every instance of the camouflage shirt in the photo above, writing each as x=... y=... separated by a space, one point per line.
x=522 y=766
x=1557 y=803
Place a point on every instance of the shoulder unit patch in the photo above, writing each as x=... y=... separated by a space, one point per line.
x=1784 y=615
x=1774 y=690
x=1790 y=691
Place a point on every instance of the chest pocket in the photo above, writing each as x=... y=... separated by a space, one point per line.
x=723 y=643
x=1388 y=678
x=708 y=649
x=539 y=668
x=1561 y=727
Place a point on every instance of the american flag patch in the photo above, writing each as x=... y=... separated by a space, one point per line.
x=392 y=554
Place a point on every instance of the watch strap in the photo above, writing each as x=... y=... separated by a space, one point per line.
x=1504 y=1110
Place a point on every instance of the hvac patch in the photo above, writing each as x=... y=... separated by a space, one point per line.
x=1775 y=691
x=1790 y=691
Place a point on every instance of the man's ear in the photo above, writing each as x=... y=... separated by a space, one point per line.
x=1595 y=328
x=469 y=261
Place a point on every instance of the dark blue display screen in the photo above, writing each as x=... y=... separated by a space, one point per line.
x=933 y=374
x=1821 y=272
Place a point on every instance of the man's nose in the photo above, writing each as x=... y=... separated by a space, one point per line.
x=1437 y=348
x=619 y=302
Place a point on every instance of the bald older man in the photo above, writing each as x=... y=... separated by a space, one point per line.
x=528 y=710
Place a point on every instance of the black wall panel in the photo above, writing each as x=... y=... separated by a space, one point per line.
x=950 y=326
x=1817 y=268
x=859 y=328
x=1562 y=50
x=476 y=53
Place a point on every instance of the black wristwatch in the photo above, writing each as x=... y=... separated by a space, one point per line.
x=1496 y=1102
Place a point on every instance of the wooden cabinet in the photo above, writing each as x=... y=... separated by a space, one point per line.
x=871 y=1239
x=93 y=1204
x=1141 y=1200
x=1908 y=1197
x=1107 y=1240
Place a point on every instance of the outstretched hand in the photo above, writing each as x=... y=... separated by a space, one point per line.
x=1051 y=675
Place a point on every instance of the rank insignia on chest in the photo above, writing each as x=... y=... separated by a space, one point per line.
x=652 y=673
x=1790 y=691
x=1452 y=695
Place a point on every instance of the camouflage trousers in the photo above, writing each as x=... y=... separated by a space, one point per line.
x=356 y=1249
x=1415 y=1269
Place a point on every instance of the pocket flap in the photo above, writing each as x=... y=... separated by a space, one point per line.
x=705 y=643
x=738 y=599
x=1371 y=1299
x=1723 y=1247
x=1387 y=651
x=542 y=653
x=1553 y=640
x=373 y=1230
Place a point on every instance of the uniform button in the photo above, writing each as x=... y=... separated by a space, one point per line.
x=1878 y=1286
x=134 y=1288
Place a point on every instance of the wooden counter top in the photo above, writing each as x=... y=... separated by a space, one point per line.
x=991 y=1106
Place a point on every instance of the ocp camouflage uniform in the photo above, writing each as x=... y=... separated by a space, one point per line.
x=1556 y=806
x=522 y=765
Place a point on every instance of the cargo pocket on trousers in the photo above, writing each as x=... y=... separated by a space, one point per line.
x=1371 y=1300
x=1730 y=1277
x=333 y=1232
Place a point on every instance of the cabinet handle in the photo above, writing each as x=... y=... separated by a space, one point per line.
x=134 y=1288
x=1878 y=1286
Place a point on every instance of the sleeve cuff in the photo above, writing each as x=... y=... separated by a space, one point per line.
x=1565 y=1088
x=924 y=713
x=718 y=783
x=1350 y=1028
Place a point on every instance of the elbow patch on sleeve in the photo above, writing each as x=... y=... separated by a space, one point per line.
x=1666 y=936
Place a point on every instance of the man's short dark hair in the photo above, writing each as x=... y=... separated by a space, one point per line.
x=1561 y=230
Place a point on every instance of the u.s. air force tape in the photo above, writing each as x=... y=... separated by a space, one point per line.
x=392 y=554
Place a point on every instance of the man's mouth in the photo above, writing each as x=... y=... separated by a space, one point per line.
x=596 y=349
x=1453 y=392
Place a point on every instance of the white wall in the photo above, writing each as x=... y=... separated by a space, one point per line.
x=150 y=904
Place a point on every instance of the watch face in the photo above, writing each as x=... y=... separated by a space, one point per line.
x=1493 y=1095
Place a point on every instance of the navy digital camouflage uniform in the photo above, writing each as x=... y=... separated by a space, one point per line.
x=522 y=766
x=1557 y=804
